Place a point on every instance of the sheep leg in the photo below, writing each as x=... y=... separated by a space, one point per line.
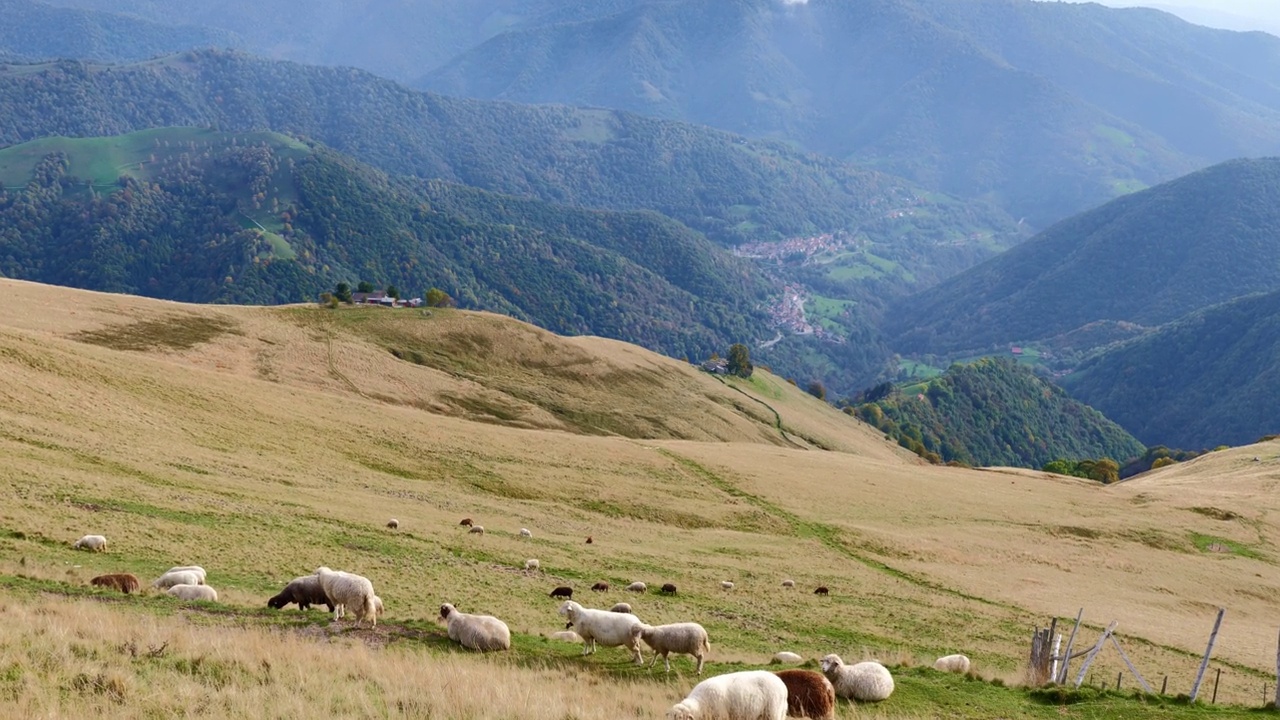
x=699 y=664
x=666 y=660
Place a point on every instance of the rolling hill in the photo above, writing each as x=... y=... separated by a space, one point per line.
x=1146 y=259
x=1201 y=381
x=1047 y=108
x=35 y=31
x=260 y=442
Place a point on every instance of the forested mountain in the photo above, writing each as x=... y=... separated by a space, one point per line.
x=1048 y=108
x=202 y=216
x=1147 y=258
x=1209 y=379
x=995 y=412
x=36 y=31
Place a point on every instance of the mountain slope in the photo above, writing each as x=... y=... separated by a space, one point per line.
x=1049 y=108
x=37 y=31
x=995 y=412
x=1209 y=379
x=1147 y=258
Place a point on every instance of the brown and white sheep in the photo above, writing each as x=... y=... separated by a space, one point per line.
x=809 y=694
x=123 y=582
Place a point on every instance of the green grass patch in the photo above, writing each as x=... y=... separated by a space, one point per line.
x=1223 y=546
x=175 y=332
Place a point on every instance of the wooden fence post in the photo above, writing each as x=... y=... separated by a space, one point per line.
x=1137 y=675
x=1088 y=659
x=1216 y=678
x=1164 y=685
x=1057 y=658
x=1208 y=651
x=1066 y=654
x=1278 y=674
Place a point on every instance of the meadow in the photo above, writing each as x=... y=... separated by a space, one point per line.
x=261 y=443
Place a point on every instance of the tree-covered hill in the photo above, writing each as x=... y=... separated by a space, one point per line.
x=1212 y=378
x=1147 y=258
x=34 y=31
x=995 y=412
x=1049 y=108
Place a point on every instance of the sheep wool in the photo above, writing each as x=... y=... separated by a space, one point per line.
x=788 y=583
x=727 y=585
x=524 y=533
x=568 y=636
x=687 y=638
x=865 y=681
x=532 y=565
x=476 y=530
x=747 y=695
x=188 y=568
x=809 y=694
x=621 y=608
x=177 y=577
x=637 y=587
x=786 y=656
x=194 y=592
x=952 y=663
x=484 y=633
x=601 y=627
x=96 y=543
x=348 y=590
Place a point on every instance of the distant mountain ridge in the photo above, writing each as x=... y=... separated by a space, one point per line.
x=35 y=31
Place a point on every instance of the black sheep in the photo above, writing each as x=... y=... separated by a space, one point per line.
x=305 y=591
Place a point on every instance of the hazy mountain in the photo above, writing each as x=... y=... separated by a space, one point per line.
x=37 y=31
x=1147 y=258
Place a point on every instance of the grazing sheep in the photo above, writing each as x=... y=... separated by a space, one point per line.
x=188 y=568
x=865 y=681
x=786 y=656
x=821 y=590
x=466 y=522
x=524 y=533
x=532 y=565
x=96 y=543
x=588 y=539
x=952 y=663
x=668 y=589
x=124 y=582
x=788 y=583
x=621 y=607
x=194 y=592
x=562 y=592
x=476 y=632
x=809 y=694
x=378 y=608
x=178 y=577
x=305 y=591
x=393 y=523
x=476 y=530
x=601 y=586
x=637 y=587
x=566 y=636
x=746 y=695
x=726 y=584
x=687 y=638
x=601 y=627
x=348 y=590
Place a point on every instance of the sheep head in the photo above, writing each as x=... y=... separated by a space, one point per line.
x=445 y=609
x=831 y=662
x=569 y=609
x=684 y=710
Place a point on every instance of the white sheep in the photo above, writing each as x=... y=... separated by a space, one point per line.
x=566 y=636
x=476 y=530
x=476 y=632
x=189 y=568
x=746 y=695
x=786 y=656
x=194 y=592
x=393 y=524
x=348 y=590
x=687 y=638
x=788 y=583
x=637 y=587
x=621 y=608
x=532 y=565
x=865 y=681
x=603 y=627
x=178 y=577
x=524 y=533
x=96 y=543
x=952 y=663
x=726 y=584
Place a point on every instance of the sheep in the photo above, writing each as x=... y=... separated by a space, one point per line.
x=476 y=530
x=345 y=590
x=726 y=584
x=865 y=681
x=621 y=608
x=96 y=543
x=788 y=583
x=524 y=533
x=821 y=590
x=188 y=568
x=566 y=636
x=687 y=638
x=786 y=656
x=378 y=608
x=124 y=582
x=194 y=592
x=532 y=565
x=668 y=589
x=466 y=522
x=637 y=587
x=393 y=524
x=746 y=695
x=589 y=540
x=305 y=591
x=601 y=627
x=952 y=663
x=809 y=694
x=476 y=632
x=562 y=592
x=601 y=586
x=177 y=577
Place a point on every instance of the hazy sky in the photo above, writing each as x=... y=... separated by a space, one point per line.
x=1229 y=14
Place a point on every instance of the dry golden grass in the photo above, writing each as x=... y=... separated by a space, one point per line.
x=261 y=443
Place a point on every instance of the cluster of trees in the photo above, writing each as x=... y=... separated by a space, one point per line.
x=1104 y=470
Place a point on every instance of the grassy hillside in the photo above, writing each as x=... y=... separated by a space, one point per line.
x=1202 y=381
x=261 y=442
x=994 y=412
x=36 y=31
x=1148 y=258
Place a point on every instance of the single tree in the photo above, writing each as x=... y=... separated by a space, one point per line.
x=393 y=292
x=818 y=390
x=740 y=360
x=343 y=292
x=438 y=298
x=364 y=287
